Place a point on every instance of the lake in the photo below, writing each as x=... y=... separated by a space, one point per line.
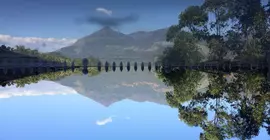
x=113 y=105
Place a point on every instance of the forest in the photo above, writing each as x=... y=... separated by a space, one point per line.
x=233 y=105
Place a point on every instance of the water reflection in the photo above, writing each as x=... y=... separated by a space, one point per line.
x=106 y=90
x=109 y=106
x=232 y=106
x=211 y=106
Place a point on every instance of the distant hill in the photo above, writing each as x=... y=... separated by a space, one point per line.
x=108 y=44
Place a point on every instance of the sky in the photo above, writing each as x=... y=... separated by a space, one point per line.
x=48 y=25
x=56 y=23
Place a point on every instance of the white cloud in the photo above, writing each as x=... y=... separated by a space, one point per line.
x=42 y=44
x=38 y=89
x=104 y=10
x=104 y=122
x=155 y=47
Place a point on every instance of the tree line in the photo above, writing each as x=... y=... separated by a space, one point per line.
x=51 y=57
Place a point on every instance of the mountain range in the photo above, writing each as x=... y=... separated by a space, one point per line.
x=110 y=45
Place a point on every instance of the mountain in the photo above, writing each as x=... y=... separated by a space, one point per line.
x=147 y=39
x=108 y=44
x=106 y=90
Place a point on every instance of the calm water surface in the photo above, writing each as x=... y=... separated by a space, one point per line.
x=107 y=106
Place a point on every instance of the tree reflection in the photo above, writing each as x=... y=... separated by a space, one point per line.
x=53 y=76
x=239 y=104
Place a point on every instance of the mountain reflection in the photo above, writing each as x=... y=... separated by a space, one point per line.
x=106 y=90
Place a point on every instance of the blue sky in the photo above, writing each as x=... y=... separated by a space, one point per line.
x=33 y=23
x=55 y=22
x=57 y=19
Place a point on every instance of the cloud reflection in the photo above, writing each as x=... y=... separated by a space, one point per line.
x=156 y=87
x=104 y=121
x=38 y=89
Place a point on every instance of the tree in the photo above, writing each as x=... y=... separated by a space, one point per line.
x=241 y=104
x=218 y=8
x=185 y=86
x=192 y=116
x=184 y=51
x=194 y=18
x=250 y=16
x=245 y=125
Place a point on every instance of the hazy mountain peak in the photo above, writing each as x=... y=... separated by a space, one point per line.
x=106 y=31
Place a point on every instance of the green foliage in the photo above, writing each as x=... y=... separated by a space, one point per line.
x=216 y=85
x=44 y=56
x=52 y=56
x=184 y=83
x=172 y=32
x=241 y=104
x=235 y=25
x=185 y=48
x=245 y=124
x=213 y=132
x=192 y=116
x=235 y=114
x=49 y=57
x=250 y=15
x=192 y=17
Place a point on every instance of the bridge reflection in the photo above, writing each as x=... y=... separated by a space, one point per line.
x=15 y=65
x=18 y=66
